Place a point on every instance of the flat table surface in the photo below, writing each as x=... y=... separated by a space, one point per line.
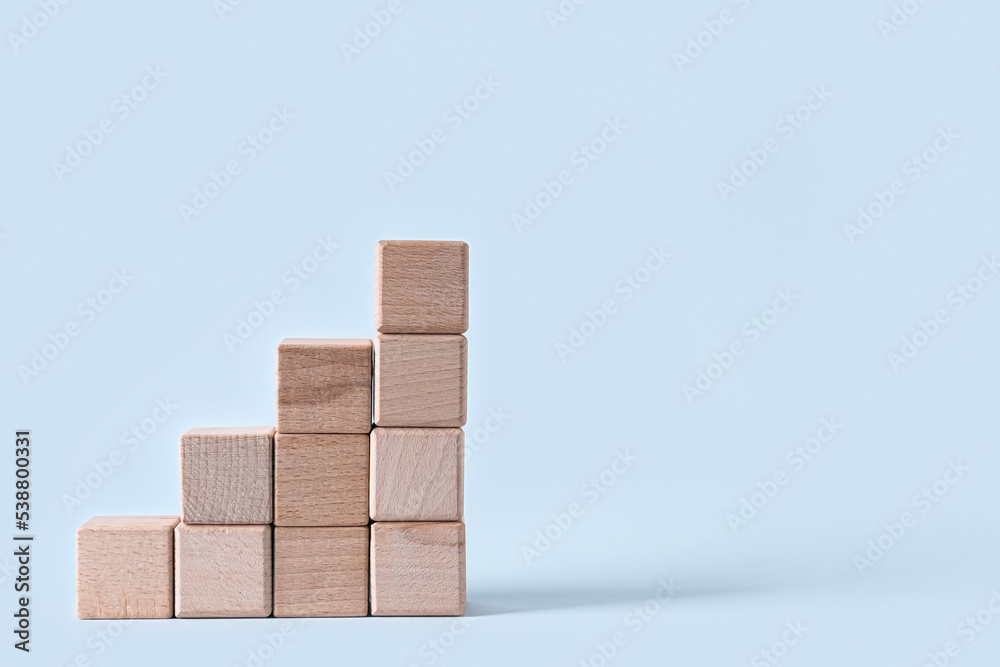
x=860 y=625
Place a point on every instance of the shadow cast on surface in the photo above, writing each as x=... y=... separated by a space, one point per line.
x=495 y=602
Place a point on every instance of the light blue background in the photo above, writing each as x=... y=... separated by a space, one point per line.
x=655 y=185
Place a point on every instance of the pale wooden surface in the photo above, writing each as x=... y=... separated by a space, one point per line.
x=417 y=474
x=222 y=571
x=324 y=385
x=420 y=380
x=226 y=475
x=418 y=569
x=125 y=567
x=422 y=287
x=321 y=571
x=320 y=479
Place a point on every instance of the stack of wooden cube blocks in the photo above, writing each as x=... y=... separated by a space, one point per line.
x=325 y=515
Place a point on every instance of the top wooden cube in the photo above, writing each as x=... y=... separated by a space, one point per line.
x=422 y=287
x=324 y=385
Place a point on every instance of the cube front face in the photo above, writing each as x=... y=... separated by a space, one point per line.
x=417 y=474
x=321 y=479
x=420 y=380
x=321 y=571
x=418 y=569
x=324 y=385
x=226 y=475
x=124 y=567
x=422 y=287
x=222 y=571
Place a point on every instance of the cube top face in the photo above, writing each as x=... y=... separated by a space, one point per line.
x=324 y=385
x=420 y=380
x=321 y=571
x=417 y=474
x=124 y=567
x=221 y=432
x=422 y=287
x=128 y=523
x=418 y=569
x=222 y=571
x=321 y=479
x=226 y=475
x=346 y=343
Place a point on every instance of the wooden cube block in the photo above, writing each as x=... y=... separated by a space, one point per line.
x=320 y=479
x=422 y=287
x=125 y=567
x=324 y=385
x=226 y=475
x=321 y=571
x=418 y=569
x=420 y=380
x=222 y=571
x=417 y=474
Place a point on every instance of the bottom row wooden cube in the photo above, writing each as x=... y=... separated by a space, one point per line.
x=321 y=571
x=155 y=567
x=418 y=569
x=125 y=567
x=222 y=571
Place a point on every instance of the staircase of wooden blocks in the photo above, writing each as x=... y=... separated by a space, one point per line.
x=325 y=515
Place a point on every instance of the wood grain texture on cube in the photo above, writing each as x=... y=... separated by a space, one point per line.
x=420 y=380
x=321 y=479
x=418 y=569
x=417 y=474
x=226 y=475
x=222 y=571
x=125 y=567
x=324 y=385
x=321 y=571
x=422 y=287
